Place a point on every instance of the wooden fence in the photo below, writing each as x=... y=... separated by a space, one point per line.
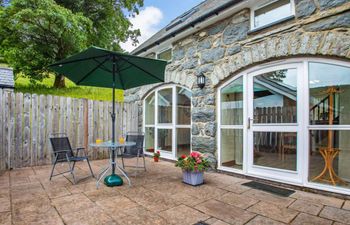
x=27 y=120
x=270 y=141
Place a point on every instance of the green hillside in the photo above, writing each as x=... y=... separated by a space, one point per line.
x=22 y=84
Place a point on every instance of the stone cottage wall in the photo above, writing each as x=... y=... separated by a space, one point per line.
x=320 y=28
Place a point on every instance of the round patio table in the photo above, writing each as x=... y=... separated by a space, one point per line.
x=113 y=179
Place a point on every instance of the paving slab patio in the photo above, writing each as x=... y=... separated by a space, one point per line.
x=158 y=197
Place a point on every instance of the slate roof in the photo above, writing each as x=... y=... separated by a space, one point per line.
x=193 y=16
x=6 y=78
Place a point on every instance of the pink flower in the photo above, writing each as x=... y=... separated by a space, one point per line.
x=195 y=154
x=199 y=161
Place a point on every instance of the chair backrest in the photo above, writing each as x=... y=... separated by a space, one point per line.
x=60 y=142
x=138 y=138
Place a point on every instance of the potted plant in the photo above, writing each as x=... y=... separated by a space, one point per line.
x=156 y=156
x=193 y=167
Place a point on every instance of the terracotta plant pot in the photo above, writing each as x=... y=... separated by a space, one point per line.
x=156 y=159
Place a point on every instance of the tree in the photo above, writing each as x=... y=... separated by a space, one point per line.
x=37 y=33
x=111 y=25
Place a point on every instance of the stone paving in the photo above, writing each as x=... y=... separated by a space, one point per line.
x=156 y=197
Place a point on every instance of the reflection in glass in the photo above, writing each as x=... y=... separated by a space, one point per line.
x=183 y=139
x=329 y=94
x=275 y=150
x=165 y=102
x=333 y=147
x=232 y=148
x=183 y=106
x=149 y=139
x=165 y=139
x=165 y=55
x=272 y=13
x=232 y=103
x=149 y=109
x=275 y=97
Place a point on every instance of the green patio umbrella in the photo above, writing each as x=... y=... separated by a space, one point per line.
x=103 y=68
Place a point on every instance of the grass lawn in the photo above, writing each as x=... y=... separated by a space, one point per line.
x=45 y=87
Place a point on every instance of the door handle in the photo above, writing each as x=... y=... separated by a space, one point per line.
x=249 y=121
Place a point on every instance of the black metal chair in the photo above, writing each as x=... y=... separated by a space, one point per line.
x=63 y=152
x=134 y=151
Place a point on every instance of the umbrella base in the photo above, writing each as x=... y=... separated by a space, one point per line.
x=113 y=180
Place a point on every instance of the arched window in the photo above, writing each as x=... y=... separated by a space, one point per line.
x=288 y=121
x=167 y=121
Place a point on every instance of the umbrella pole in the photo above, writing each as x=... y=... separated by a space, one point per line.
x=113 y=122
x=113 y=179
x=113 y=116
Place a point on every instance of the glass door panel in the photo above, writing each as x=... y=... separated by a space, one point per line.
x=232 y=148
x=329 y=116
x=165 y=106
x=232 y=103
x=165 y=140
x=183 y=141
x=273 y=105
x=329 y=88
x=149 y=139
x=183 y=106
x=275 y=149
x=275 y=97
x=149 y=109
x=231 y=118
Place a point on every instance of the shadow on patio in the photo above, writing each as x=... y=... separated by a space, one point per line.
x=156 y=197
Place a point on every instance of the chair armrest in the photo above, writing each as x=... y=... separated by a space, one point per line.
x=79 y=149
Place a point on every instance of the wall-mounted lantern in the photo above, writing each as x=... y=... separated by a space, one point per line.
x=201 y=81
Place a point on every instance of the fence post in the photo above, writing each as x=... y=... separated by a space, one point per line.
x=86 y=124
x=2 y=154
x=16 y=158
x=7 y=130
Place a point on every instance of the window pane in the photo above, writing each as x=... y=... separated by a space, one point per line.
x=165 y=139
x=275 y=97
x=149 y=139
x=149 y=108
x=166 y=55
x=232 y=148
x=275 y=149
x=272 y=13
x=165 y=103
x=330 y=154
x=232 y=103
x=183 y=106
x=183 y=145
x=329 y=94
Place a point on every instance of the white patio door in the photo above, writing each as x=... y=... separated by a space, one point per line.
x=273 y=126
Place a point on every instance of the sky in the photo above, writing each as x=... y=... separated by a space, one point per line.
x=156 y=14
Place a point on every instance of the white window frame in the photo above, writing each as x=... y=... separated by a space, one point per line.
x=164 y=50
x=303 y=120
x=173 y=125
x=232 y=127
x=276 y=173
x=266 y=3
